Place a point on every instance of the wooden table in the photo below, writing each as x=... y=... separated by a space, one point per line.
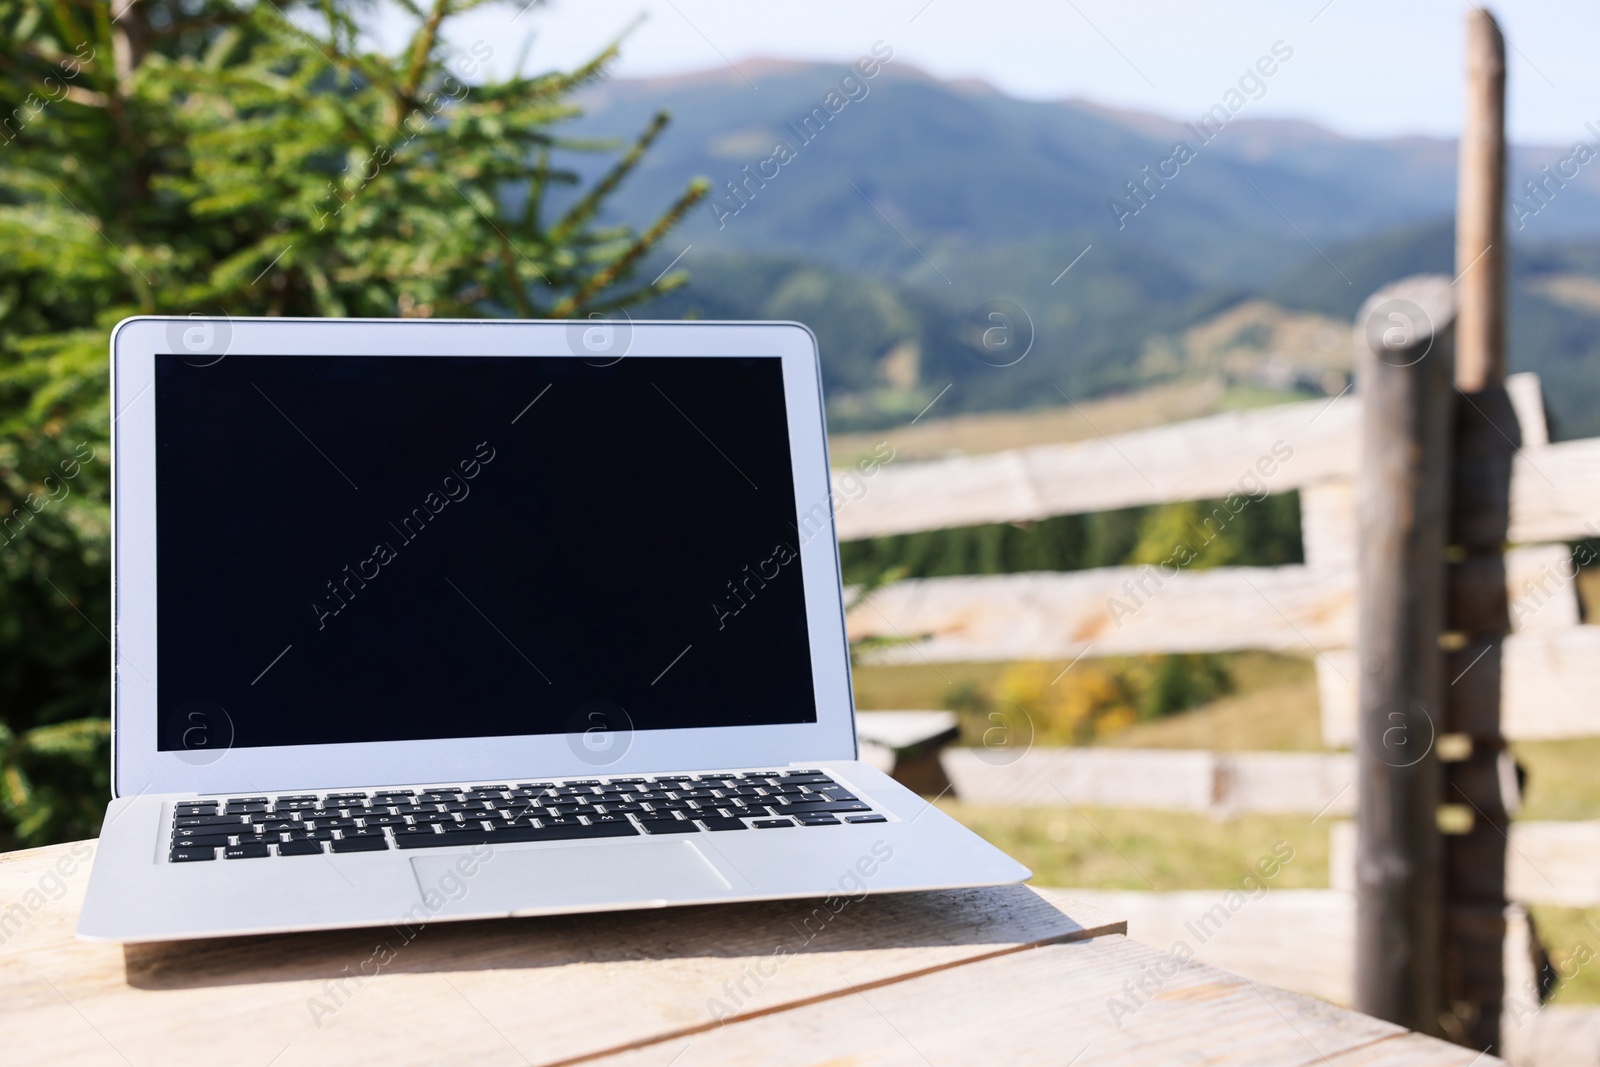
x=993 y=976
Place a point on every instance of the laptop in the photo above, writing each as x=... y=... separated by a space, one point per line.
x=422 y=620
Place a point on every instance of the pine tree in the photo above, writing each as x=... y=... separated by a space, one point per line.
x=226 y=157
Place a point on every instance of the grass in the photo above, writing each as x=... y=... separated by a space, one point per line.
x=1572 y=938
x=1589 y=593
x=932 y=438
x=919 y=686
x=1125 y=848
x=1273 y=706
x=1562 y=783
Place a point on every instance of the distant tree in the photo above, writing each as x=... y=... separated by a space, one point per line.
x=184 y=156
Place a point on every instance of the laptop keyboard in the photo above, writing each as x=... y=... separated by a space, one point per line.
x=308 y=824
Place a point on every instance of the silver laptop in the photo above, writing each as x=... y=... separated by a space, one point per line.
x=425 y=620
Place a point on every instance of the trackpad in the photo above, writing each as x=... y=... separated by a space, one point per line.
x=510 y=880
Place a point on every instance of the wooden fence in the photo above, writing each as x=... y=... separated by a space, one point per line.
x=1547 y=669
x=1551 y=663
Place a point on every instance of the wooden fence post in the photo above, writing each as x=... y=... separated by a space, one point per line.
x=1480 y=226
x=1486 y=439
x=1405 y=374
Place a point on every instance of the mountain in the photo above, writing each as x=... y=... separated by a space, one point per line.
x=896 y=214
x=961 y=165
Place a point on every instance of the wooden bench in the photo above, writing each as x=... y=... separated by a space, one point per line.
x=908 y=746
x=1007 y=975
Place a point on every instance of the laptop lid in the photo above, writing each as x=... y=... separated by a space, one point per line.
x=367 y=552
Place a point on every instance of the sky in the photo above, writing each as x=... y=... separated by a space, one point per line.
x=1360 y=67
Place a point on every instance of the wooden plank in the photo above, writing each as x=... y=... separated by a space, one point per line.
x=553 y=989
x=1267 y=449
x=1336 y=696
x=1079 y=1004
x=1299 y=939
x=1311 y=782
x=1556 y=1035
x=1128 y=610
x=1555 y=492
x=1216 y=783
x=1408 y=1049
x=1555 y=489
x=906 y=729
x=1551 y=668
x=1113 y=611
x=1538 y=577
x=1055 y=777
x=1527 y=400
x=1554 y=863
x=1540 y=588
x=1328 y=524
x=1550 y=682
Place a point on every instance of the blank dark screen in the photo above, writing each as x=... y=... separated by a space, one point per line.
x=398 y=548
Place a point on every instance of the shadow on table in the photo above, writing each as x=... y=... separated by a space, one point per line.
x=1000 y=916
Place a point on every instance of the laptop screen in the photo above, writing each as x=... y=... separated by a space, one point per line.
x=358 y=549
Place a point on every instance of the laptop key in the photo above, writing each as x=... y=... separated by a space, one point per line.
x=770 y=824
x=668 y=826
x=300 y=847
x=874 y=817
x=722 y=824
x=817 y=818
x=424 y=829
x=190 y=855
x=207 y=820
x=321 y=833
x=207 y=843
x=252 y=850
x=361 y=843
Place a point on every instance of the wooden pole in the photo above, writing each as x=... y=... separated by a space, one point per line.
x=1486 y=439
x=1480 y=229
x=1404 y=375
